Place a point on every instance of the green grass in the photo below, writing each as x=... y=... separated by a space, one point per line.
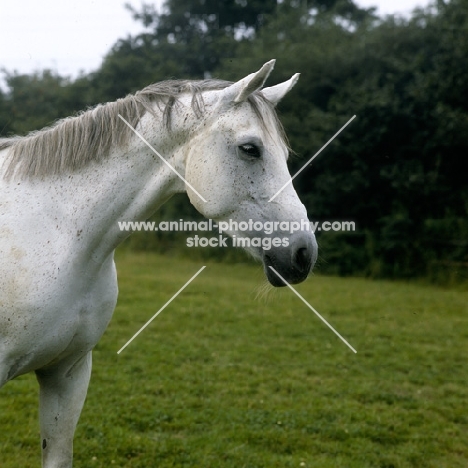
x=224 y=379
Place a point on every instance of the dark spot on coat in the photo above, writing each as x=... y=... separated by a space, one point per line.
x=44 y=444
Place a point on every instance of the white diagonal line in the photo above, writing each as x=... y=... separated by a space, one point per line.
x=159 y=155
x=161 y=309
x=313 y=310
x=312 y=158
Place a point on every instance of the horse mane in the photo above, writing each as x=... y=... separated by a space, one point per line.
x=73 y=142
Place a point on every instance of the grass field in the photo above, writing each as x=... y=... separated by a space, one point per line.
x=225 y=379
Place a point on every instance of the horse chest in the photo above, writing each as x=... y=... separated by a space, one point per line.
x=59 y=317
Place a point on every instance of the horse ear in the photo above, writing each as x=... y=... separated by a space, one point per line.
x=274 y=94
x=241 y=90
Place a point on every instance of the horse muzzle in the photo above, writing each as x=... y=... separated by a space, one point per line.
x=291 y=264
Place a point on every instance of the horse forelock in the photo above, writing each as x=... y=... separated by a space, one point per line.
x=73 y=142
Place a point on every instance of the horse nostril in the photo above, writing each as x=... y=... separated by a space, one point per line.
x=302 y=259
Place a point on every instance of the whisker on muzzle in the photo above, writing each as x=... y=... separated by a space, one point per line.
x=264 y=291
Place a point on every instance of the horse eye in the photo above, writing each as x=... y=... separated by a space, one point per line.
x=250 y=150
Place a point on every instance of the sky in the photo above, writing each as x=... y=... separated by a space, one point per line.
x=73 y=36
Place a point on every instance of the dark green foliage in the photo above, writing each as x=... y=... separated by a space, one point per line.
x=32 y=101
x=399 y=170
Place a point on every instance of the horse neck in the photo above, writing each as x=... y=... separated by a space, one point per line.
x=129 y=185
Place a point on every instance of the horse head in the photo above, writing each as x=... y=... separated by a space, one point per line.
x=237 y=159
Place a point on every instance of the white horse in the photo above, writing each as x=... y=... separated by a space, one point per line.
x=65 y=188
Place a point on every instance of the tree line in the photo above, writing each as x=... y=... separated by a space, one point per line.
x=399 y=171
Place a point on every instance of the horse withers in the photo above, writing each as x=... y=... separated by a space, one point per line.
x=64 y=189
